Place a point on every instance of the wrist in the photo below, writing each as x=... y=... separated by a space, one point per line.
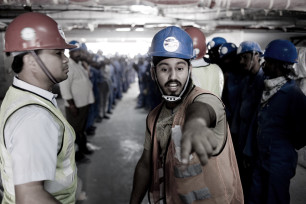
x=72 y=106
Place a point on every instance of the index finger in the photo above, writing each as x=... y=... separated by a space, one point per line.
x=185 y=150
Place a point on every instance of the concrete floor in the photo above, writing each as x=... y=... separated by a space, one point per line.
x=108 y=178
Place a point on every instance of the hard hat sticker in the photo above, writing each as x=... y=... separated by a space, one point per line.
x=239 y=49
x=224 y=50
x=28 y=34
x=212 y=44
x=171 y=44
x=61 y=32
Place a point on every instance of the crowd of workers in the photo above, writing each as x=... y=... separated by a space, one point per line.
x=94 y=84
x=219 y=129
x=265 y=111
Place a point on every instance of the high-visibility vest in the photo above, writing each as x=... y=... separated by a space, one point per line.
x=216 y=182
x=15 y=99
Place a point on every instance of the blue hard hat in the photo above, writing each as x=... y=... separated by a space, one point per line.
x=76 y=43
x=226 y=49
x=172 y=42
x=282 y=50
x=83 y=46
x=215 y=42
x=249 y=46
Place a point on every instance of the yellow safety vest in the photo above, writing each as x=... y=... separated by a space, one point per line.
x=15 y=99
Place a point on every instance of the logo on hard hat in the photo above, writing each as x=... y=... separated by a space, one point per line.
x=224 y=50
x=239 y=49
x=212 y=44
x=171 y=44
x=28 y=34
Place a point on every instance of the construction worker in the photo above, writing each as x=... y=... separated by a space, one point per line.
x=281 y=126
x=37 y=143
x=204 y=74
x=78 y=95
x=233 y=77
x=213 y=49
x=188 y=155
x=243 y=127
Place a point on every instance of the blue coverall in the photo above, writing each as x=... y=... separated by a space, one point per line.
x=281 y=130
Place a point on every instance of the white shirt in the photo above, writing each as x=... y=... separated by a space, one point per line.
x=78 y=86
x=33 y=139
x=207 y=76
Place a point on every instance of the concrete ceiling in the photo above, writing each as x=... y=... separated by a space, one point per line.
x=95 y=19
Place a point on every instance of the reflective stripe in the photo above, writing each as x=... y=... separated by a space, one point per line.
x=195 y=195
x=191 y=170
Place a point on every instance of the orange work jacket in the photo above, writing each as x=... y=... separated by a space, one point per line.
x=218 y=182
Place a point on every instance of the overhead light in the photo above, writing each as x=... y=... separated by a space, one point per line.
x=144 y=9
x=123 y=29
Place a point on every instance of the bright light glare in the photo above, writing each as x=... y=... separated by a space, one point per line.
x=144 y=9
x=130 y=48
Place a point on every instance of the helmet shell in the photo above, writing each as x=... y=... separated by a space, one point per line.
x=226 y=49
x=172 y=42
x=199 y=41
x=33 y=31
x=215 y=42
x=83 y=46
x=282 y=50
x=248 y=46
x=77 y=44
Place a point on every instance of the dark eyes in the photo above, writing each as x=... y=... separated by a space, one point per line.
x=166 y=69
x=59 y=53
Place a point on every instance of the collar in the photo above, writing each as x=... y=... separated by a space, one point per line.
x=34 y=89
x=272 y=86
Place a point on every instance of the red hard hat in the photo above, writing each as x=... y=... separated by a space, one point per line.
x=199 y=41
x=34 y=31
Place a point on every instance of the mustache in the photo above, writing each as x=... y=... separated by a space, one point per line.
x=173 y=81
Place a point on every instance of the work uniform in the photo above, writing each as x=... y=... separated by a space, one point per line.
x=250 y=99
x=281 y=130
x=37 y=143
x=217 y=182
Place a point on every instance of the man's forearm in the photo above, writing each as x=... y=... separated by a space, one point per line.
x=201 y=110
x=140 y=183
x=33 y=193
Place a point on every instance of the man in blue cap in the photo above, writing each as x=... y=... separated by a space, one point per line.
x=213 y=49
x=281 y=126
x=78 y=95
x=243 y=126
x=186 y=135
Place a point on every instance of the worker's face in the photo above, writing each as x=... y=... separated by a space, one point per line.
x=245 y=61
x=56 y=62
x=172 y=75
x=76 y=55
x=269 y=67
x=214 y=55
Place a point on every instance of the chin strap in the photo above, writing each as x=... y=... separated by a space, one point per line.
x=173 y=98
x=43 y=67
